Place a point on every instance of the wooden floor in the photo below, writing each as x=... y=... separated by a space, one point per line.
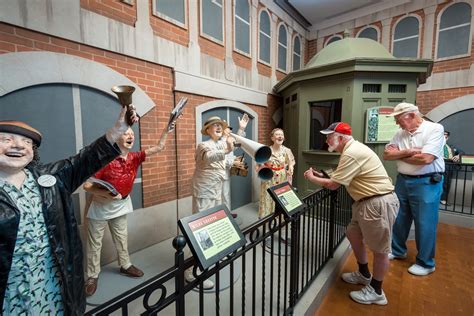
x=448 y=291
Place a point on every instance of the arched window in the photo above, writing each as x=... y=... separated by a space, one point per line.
x=370 y=33
x=454 y=31
x=333 y=39
x=242 y=26
x=264 y=40
x=212 y=19
x=282 y=47
x=406 y=38
x=296 y=53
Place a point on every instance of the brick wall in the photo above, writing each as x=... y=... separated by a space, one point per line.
x=312 y=49
x=168 y=30
x=114 y=9
x=264 y=70
x=242 y=60
x=159 y=172
x=428 y=100
x=211 y=48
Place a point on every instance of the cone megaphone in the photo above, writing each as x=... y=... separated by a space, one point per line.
x=260 y=153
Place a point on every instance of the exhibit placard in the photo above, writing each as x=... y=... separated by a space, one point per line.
x=467 y=159
x=380 y=128
x=211 y=235
x=285 y=197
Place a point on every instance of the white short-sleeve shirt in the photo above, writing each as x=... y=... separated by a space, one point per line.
x=429 y=137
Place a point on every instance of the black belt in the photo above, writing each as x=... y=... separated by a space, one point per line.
x=418 y=176
x=373 y=196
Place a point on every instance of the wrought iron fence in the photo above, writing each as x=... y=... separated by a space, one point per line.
x=458 y=188
x=267 y=276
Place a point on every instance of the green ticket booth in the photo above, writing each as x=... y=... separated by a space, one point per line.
x=355 y=80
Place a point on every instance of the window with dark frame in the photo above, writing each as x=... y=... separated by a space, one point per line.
x=322 y=114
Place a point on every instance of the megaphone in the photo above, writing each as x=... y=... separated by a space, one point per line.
x=260 y=153
x=257 y=151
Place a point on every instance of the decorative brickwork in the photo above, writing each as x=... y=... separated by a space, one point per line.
x=114 y=9
x=428 y=100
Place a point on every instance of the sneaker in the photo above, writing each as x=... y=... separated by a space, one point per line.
x=132 y=272
x=367 y=295
x=391 y=256
x=91 y=286
x=189 y=277
x=355 y=278
x=443 y=202
x=233 y=215
x=416 y=269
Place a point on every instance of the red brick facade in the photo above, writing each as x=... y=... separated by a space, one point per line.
x=428 y=100
x=114 y=9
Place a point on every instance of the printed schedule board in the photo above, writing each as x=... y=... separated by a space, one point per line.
x=380 y=128
x=285 y=197
x=211 y=235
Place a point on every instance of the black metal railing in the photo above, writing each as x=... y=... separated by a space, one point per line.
x=267 y=276
x=458 y=189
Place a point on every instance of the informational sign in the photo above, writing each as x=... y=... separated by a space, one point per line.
x=211 y=235
x=380 y=128
x=285 y=197
x=467 y=159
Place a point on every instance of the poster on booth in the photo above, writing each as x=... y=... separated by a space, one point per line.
x=380 y=128
x=211 y=235
x=285 y=198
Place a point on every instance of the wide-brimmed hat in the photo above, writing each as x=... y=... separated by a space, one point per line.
x=403 y=108
x=338 y=127
x=213 y=120
x=21 y=128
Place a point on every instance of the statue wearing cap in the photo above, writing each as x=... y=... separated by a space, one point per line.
x=40 y=245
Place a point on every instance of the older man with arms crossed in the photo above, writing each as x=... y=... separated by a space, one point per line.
x=373 y=212
x=418 y=149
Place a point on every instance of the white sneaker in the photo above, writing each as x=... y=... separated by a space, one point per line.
x=391 y=256
x=367 y=295
x=355 y=278
x=416 y=269
x=443 y=202
x=189 y=277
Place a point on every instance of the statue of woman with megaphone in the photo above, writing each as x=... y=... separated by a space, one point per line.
x=281 y=163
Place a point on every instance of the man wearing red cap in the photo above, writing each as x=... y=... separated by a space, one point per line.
x=41 y=270
x=373 y=212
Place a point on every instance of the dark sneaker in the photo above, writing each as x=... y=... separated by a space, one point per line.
x=132 y=272
x=233 y=215
x=91 y=286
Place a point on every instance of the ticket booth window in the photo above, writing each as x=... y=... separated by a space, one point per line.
x=323 y=113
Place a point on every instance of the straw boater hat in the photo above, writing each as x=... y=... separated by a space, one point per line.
x=20 y=128
x=213 y=120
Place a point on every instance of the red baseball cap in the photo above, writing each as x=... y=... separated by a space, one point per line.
x=338 y=127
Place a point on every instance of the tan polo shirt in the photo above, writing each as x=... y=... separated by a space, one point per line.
x=361 y=172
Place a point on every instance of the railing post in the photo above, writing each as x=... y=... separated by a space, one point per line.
x=179 y=243
x=294 y=262
x=332 y=221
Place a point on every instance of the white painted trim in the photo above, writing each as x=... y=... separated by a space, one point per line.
x=371 y=26
x=268 y=35
x=235 y=16
x=288 y=41
x=207 y=36
x=450 y=107
x=241 y=107
x=293 y=53
x=170 y=19
x=24 y=69
x=420 y=23
x=330 y=38
x=438 y=23
x=211 y=87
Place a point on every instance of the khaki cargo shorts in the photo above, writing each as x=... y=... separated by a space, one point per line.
x=373 y=219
